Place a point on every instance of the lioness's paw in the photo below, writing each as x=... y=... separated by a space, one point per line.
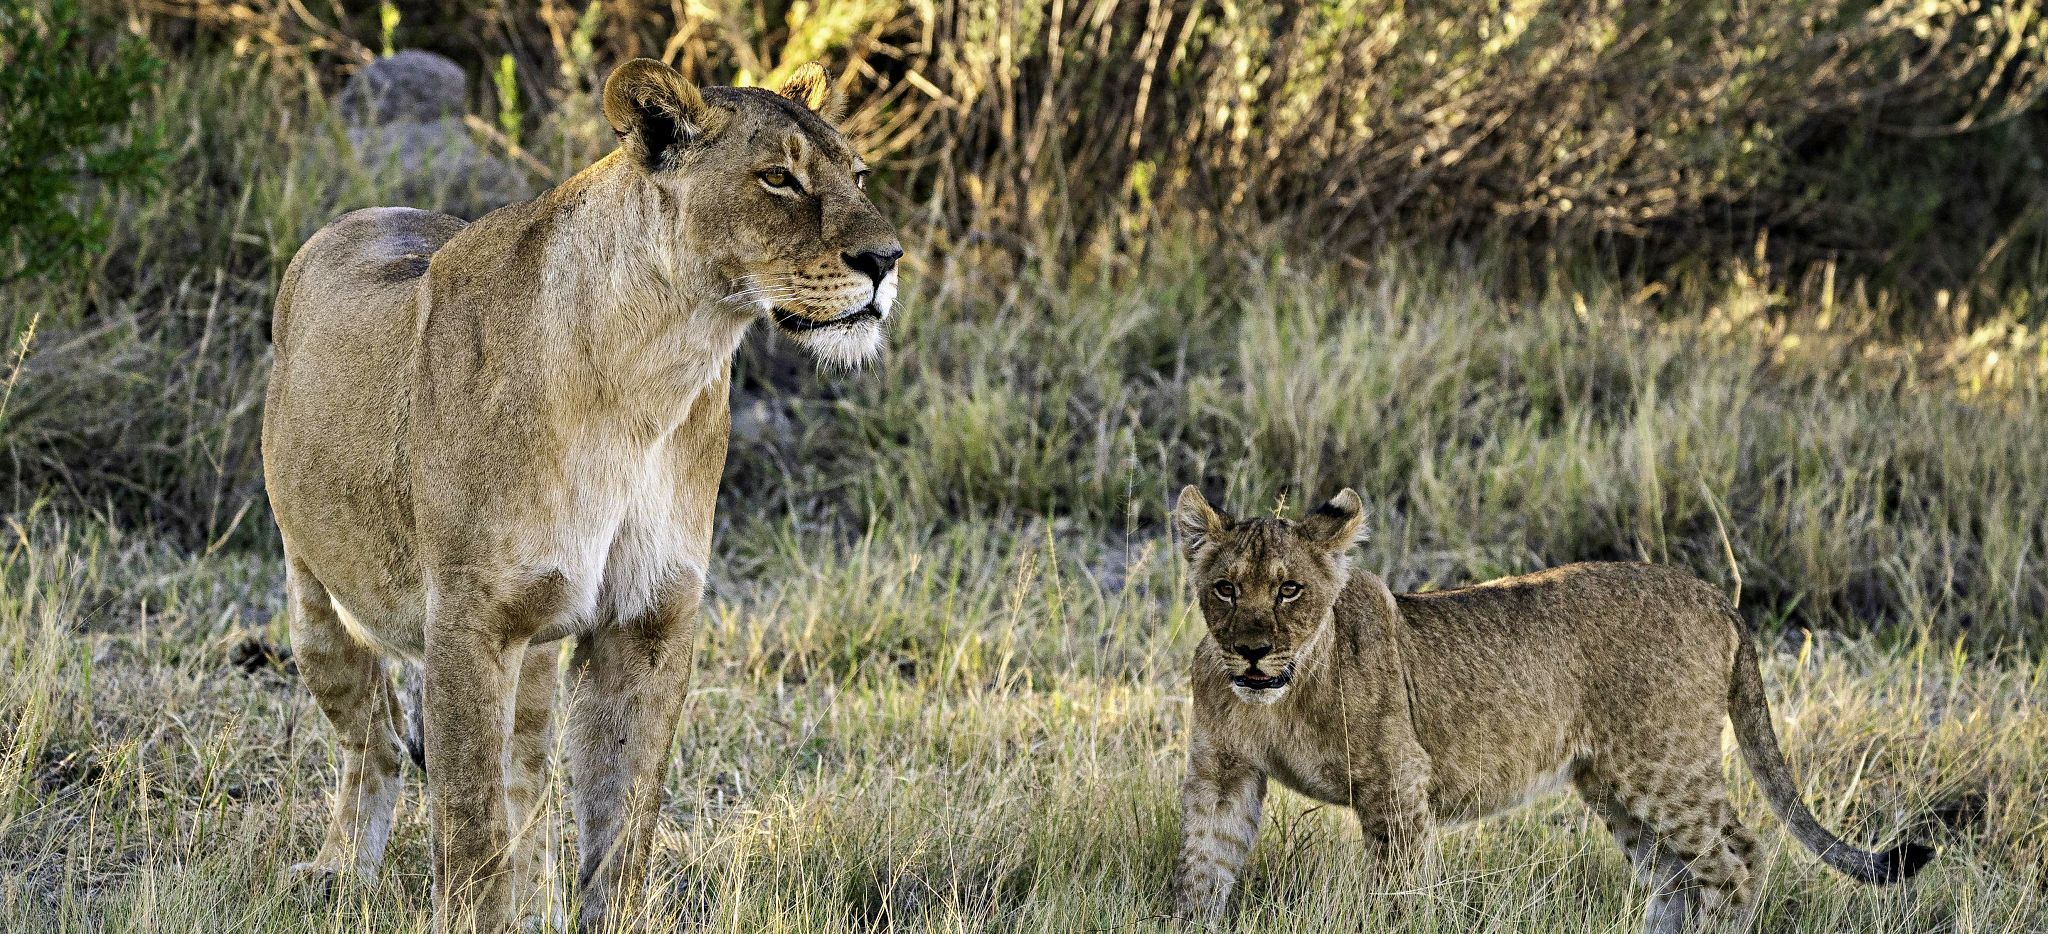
x=315 y=880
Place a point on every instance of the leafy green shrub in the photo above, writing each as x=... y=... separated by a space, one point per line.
x=66 y=96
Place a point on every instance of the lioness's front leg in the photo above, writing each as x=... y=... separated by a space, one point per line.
x=627 y=685
x=534 y=835
x=1219 y=820
x=476 y=642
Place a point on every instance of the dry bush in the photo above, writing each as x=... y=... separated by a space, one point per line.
x=1053 y=125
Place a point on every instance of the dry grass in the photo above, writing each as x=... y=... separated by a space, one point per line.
x=1892 y=134
x=953 y=732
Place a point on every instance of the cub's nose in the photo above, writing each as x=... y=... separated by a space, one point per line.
x=875 y=264
x=1252 y=653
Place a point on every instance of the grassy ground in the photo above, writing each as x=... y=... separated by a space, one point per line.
x=940 y=681
x=955 y=732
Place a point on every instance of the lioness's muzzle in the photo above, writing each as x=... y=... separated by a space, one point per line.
x=792 y=321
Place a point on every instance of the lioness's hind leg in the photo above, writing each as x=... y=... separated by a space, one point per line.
x=349 y=681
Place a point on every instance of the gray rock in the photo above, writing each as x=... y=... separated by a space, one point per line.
x=403 y=129
x=758 y=421
x=411 y=85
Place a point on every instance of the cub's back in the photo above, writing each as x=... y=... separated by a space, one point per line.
x=1515 y=675
x=1599 y=612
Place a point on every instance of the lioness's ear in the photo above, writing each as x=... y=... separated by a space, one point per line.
x=1338 y=524
x=652 y=109
x=1196 y=522
x=809 y=87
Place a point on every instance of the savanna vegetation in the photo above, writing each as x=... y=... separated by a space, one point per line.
x=1754 y=289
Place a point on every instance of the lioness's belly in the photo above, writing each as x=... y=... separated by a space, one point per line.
x=616 y=541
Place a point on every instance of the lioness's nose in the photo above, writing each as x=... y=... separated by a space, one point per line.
x=875 y=263
x=1252 y=653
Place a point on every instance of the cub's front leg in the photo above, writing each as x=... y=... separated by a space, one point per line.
x=1392 y=804
x=1397 y=838
x=1219 y=820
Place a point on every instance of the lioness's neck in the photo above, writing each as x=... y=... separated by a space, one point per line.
x=633 y=326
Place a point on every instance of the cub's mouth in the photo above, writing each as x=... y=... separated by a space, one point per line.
x=799 y=323
x=1263 y=682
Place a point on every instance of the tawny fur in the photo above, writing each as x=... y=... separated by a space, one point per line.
x=483 y=438
x=1420 y=709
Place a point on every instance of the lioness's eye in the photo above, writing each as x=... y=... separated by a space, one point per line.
x=1290 y=590
x=1226 y=590
x=777 y=178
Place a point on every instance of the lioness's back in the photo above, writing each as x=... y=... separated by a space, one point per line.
x=356 y=262
x=344 y=337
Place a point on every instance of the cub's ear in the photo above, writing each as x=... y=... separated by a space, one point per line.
x=1338 y=524
x=652 y=109
x=811 y=86
x=1196 y=522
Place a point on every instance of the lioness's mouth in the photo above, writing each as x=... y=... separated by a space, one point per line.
x=1265 y=683
x=797 y=323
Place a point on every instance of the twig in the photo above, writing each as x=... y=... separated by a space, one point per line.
x=525 y=159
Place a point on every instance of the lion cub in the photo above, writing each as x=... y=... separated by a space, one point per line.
x=1447 y=706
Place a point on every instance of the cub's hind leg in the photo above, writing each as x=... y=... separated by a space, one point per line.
x=1682 y=806
x=355 y=692
x=1656 y=869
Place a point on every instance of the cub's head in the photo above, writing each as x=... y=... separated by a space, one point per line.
x=1266 y=585
x=766 y=200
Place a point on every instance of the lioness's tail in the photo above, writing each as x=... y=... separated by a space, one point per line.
x=1751 y=711
x=412 y=688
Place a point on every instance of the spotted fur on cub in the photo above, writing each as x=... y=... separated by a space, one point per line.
x=1419 y=709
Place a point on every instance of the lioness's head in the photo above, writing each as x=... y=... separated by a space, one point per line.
x=765 y=197
x=1266 y=586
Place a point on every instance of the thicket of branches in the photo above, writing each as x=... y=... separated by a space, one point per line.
x=1900 y=136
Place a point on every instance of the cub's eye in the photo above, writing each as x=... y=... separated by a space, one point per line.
x=1290 y=590
x=860 y=179
x=778 y=178
x=1225 y=590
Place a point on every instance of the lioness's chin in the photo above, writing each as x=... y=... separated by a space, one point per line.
x=1259 y=696
x=847 y=345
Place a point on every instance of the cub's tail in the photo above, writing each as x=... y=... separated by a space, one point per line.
x=1750 y=710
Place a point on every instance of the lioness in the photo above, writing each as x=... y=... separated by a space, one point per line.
x=482 y=438
x=1420 y=708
